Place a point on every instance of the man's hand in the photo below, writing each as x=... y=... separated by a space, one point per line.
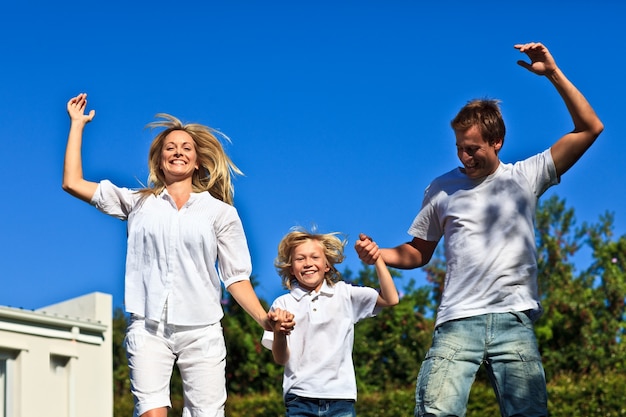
x=541 y=61
x=367 y=249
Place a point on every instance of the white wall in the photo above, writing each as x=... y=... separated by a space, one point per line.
x=58 y=359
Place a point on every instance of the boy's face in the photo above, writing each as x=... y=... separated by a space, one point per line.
x=478 y=157
x=309 y=265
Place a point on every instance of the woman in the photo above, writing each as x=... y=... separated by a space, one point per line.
x=179 y=226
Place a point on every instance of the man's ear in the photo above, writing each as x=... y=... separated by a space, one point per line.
x=497 y=144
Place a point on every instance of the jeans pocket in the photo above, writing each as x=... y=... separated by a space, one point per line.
x=434 y=374
x=524 y=318
x=291 y=398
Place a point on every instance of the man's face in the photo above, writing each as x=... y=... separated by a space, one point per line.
x=478 y=157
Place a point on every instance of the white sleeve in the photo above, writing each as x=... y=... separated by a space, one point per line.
x=233 y=256
x=113 y=200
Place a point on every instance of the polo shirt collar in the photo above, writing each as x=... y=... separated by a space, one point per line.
x=298 y=292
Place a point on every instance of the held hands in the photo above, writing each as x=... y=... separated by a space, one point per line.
x=76 y=109
x=367 y=249
x=281 y=321
x=541 y=61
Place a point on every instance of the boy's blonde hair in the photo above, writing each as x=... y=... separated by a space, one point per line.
x=332 y=247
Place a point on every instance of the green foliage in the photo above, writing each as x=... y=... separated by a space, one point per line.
x=598 y=394
x=581 y=334
x=583 y=324
x=482 y=400
x=594 y=394
x=397 y=401
x=608 y=269
x=257 y=405
x=249 y=366
x=123 y=403
x=562 y=295
x=389 y=348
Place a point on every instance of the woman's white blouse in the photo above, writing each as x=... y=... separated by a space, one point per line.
x=178 y=257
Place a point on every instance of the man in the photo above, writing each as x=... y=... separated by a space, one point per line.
x=485 y=211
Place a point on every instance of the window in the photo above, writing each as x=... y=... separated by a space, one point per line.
x=60 y=378
x=7 y=382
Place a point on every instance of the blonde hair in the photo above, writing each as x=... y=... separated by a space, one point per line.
x=332 y=247
x=215 y=168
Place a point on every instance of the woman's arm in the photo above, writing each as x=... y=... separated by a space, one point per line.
x=73 y=181
x=245 y=296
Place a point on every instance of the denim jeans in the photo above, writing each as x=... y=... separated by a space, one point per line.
x=505 y=343
x=313 y=407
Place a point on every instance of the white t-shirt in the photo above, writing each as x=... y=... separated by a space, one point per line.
x=320 y=361
x=489 y=237
x=172 y=254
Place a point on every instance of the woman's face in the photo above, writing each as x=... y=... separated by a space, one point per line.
x=178 y=156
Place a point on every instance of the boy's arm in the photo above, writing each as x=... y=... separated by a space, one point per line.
x=388 y=293
x=368 y=249
x=280 y=347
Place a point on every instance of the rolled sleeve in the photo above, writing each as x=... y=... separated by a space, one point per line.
x=114 y=201
x=233 y=256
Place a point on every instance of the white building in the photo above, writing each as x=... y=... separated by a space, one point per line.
x=57 y=361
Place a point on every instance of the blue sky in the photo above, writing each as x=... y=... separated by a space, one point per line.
x=338 y=114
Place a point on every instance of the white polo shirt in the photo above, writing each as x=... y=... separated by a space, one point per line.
x=174 y=255
x=320 y=361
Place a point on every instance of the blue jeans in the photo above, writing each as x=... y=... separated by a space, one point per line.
x=505 y=343
x=313 y=407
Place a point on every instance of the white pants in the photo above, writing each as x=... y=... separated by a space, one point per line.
x=200 y=354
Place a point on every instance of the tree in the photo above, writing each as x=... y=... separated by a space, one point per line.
x=610 y=267
x=389 y=348
x=249 y=366
x=122 y=398
x=582 y=329
x=583 y=322
x=562 y=295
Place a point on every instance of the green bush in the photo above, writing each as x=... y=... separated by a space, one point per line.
x=597 y=394
x=255 y=405
x=390 y=402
